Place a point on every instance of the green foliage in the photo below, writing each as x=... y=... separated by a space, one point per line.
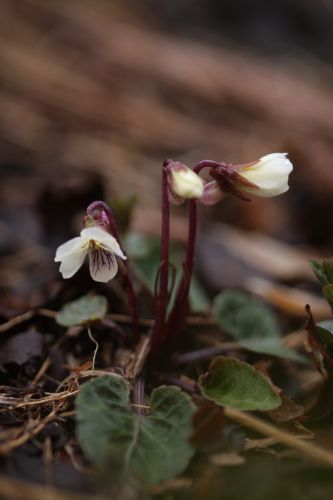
x=323 y=270
x=231 y=382
x=153 y=448
x=145 y=251
x=245 y=317
x=325 y=333
x=251 y=323
x=81 y=311
x=328 y=293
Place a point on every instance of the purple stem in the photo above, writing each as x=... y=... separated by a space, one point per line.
x=179 y=311
x=162 y=298
x=192 y=234
x=206 y=164
x=128 y=285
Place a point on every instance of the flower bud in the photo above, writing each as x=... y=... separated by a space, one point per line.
x=183 y=182
x=212 y=193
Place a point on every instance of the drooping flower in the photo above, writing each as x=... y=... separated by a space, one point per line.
x=100 y=246
x=183 y=182
x=264 y=178
x=270 y=175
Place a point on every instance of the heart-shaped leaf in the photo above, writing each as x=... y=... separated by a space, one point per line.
x=151 y=447
x=252 y=324
x=84 y=310
x=231 y=382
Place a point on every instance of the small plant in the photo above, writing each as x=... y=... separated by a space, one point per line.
x=147 y=436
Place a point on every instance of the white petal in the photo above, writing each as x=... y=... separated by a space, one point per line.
x=71 y=264
x=103 y=238
x=273 y=156
x=71 y=255
x=266 y=193
x=270 y=174
x=103 y=265
x=70 y=246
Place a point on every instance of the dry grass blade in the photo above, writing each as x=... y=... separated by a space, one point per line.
x=311 y=451
x=31 y=429
x=16 y=321
x=288 y=300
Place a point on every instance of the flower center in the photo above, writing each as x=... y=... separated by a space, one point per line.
x=99 y=256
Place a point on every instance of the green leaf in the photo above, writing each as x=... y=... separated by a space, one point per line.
x=323 y=270
x=328 y=293
x=252 y=324
x=245 y=317
x=325 y=332
x=231 y=382
x=199 y=300
x=84 y=310
x=154 y=447
x=273 y=347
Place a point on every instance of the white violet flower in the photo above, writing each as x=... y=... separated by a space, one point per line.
x=102 y=249
x=269 y=175
x=265 y=178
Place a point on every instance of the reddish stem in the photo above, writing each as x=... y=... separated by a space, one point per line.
x=162 y=298
x=192 y=234
x=206 y=164
x=126 y=274
x=177 y=319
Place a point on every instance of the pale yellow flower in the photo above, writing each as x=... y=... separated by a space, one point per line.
x=184 y=183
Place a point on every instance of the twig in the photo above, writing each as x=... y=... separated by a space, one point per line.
x=43 y=369
x=311 y=451
x=146 y=322
x=203 y=354
x=118 y=318
x=48 y=399
x=138 y=358
x=4 y=327
x=74 y=460
x=20 y=318
x=28 y=434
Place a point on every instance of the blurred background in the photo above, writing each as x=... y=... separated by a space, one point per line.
x=95 y=94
